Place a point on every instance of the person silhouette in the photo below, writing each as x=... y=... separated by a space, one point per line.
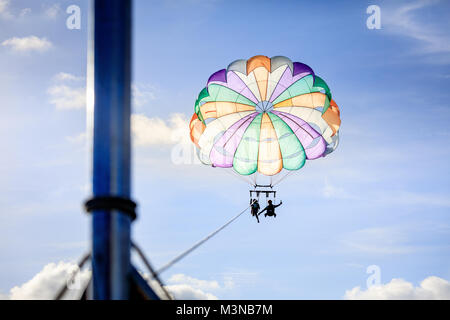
x=255 y=208
x=270 y=209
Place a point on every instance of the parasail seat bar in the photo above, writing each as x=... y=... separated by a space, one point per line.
x=264 y=190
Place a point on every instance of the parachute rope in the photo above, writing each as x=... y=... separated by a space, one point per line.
x=235 y=174
x=151 y=270
x=198 y=244
x=282 y=178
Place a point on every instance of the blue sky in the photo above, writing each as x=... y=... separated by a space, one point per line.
x=382 y=198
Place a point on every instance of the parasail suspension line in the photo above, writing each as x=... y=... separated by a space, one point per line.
x=198 y=244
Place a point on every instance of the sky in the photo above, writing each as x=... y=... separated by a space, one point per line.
x=371 y=220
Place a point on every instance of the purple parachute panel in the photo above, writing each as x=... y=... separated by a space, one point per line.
x=222 y=153
x=219 y=76
x=302 y=70
x=312 y=141
x=287 y=79
x=232 y=81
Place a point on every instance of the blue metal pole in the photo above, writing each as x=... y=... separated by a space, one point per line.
x=111 y=242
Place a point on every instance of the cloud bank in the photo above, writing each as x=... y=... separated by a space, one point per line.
x=184 y=287
x=45 y=284
x=431 y=288
x=156 y=131
x=4 y=9
x=52 y=11
x=27 y=44
x=68 y=92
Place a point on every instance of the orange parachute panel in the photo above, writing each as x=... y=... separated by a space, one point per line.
x=258 y=61
x=219 y=109
x=332 y=117
x=269 y=154
x=309 y=100
x=197 y=127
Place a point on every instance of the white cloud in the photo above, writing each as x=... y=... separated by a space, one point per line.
x=406 y=21
x=64 y=76
x=196 y=283
x=186 y=292
x=5 y=12
x=66 y=98
x=46 y=284
x=4 y=9
x=156 y=131
x=142 y=94
x=28 y=44
x=53 y=11
x=432 y=288
x=4 y=5
x=184 y=287
x=67 y=92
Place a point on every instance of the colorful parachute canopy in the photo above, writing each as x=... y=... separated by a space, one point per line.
x=264 y=115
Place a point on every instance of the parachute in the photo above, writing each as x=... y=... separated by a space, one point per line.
x=262 y=116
